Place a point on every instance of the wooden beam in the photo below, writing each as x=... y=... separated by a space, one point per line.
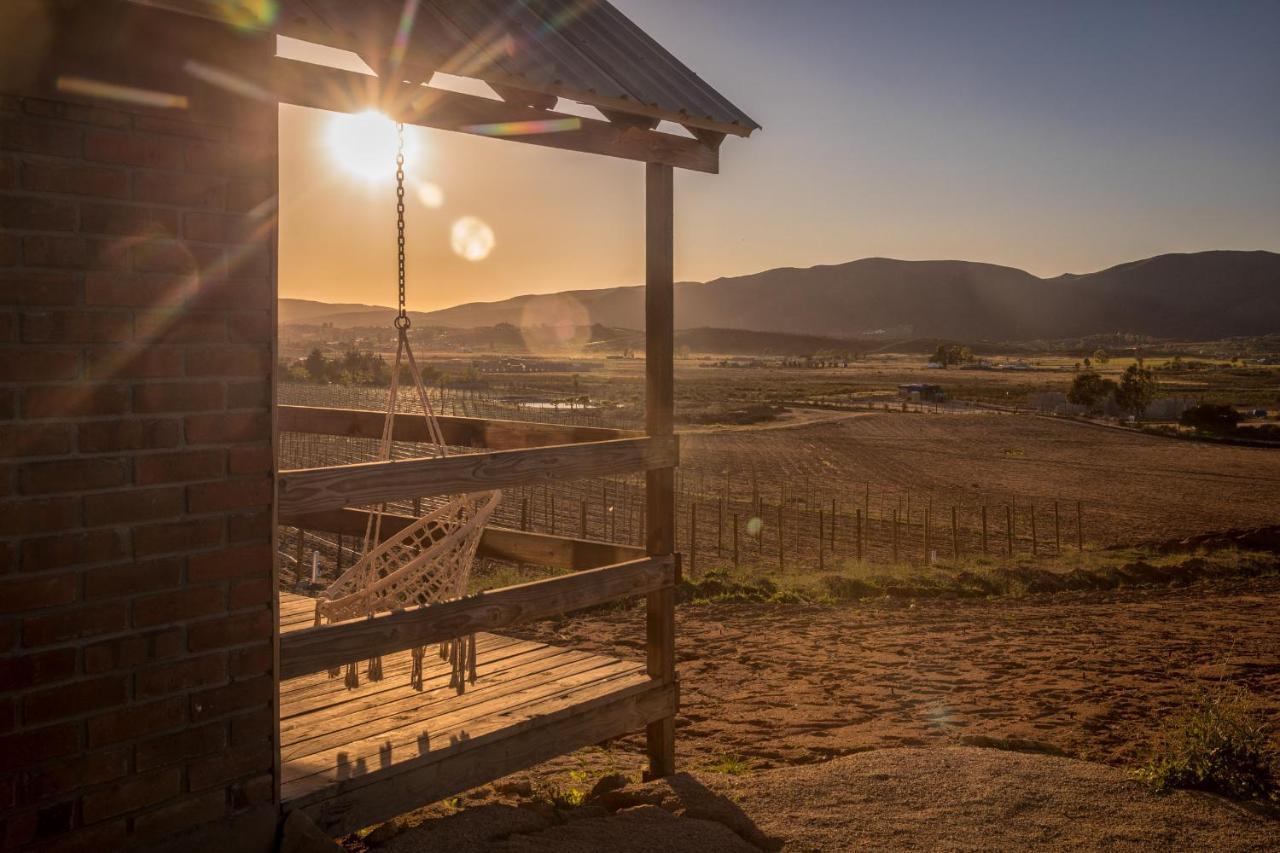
x=321 y=87
x=315 y=649
x=496 y=543
x=659 y=422
x=630 y=119
x=525 y=97
x=460 y=432
x=362 y=800
x=307 y=490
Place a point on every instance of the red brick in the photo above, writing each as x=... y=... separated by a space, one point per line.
x=250 y=460
x=100 y=836
x=74 y=253
x=180 y=327
x=179 y=467
x=235 y=630
x=180 y=127
x=132 y=577
x=133 y=505
x=228 y=427
x=75 y=179
x=18 y=672
x=126 y=220
x=70 y=401
x=183 y=190
x=34 y=439
x=136 y=721
x=131 y=291
x=72 y=700
x=38 y=137
x=250 y=527
x=74 y=327
x=34 y=747
x=132 y=650
x=114 y=436
x=164 y=255
x=30 y=365
x=241 y=562
x=235 y=293
x=10 y=250
x=132 y=149
x=180 y=675
x=229 y=361
x=208 y=227
x=38 y=288
x=178 y=605
x=252 y=727
x=161 y=823
x=8 y=405
x=62 y=625
x=34 y=593
x=134 y=362
x=55 y=552
x=239 y=695
x=72 y=475
x=135 y=793
x=185 y=535
x=229 y=765
x=250 y=327
x=69 y=111
x=249 y=194
x=35 y=213
x=250 y=660
x=58 y=780
x=229 y=495
x=248 y=395
x=21 y=518
x=179 y=397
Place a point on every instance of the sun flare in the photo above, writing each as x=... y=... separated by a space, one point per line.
x=365 y=144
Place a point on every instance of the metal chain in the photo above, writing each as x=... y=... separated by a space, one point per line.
x=402 y=319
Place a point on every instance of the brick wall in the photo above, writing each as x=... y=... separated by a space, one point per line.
x=136 y=354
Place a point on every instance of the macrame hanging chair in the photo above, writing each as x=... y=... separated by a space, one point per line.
x=429 y=560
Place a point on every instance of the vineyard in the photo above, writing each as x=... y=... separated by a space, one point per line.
x=868 y=487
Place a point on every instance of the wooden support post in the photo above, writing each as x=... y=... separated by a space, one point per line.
x=1057 y=530
x=660 y=626
x=984 y=530
x=1008 y=529
x=1079 y=525
x=955 y=536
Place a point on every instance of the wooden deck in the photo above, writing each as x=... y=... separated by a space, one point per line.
x=531 y=702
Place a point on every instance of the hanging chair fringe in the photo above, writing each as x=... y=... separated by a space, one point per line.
x=415 y=673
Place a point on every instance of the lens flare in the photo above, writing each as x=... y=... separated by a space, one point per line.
x=754 y=526
x=365 y=144
x=472 y=239
x=431 y=195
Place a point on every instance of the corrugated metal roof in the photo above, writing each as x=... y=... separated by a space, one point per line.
x=583 y=50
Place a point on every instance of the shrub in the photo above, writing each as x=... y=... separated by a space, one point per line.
x=1210 y=418
x=1218 y=743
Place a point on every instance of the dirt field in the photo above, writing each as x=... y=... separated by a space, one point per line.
x=1134 y=487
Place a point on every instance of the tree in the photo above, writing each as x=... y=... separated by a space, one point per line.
x=315 y=365
x=949 y=354
x=1101 y=357
x=1136 y=390
x=1090 y=390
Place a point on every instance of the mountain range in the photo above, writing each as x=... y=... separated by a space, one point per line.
x=1197 y=296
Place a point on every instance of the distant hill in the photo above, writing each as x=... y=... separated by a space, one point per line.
x=1203 y=296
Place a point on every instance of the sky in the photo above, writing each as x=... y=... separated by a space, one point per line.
x=1053 y=137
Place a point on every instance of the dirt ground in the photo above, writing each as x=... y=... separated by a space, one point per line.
x=1134 y=487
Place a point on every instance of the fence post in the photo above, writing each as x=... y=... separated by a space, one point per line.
x=1008 y=529
x=955 y=536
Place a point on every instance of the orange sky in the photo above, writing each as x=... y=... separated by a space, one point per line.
x=1063 y=139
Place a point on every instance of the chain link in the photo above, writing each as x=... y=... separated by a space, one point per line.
x=402 y=319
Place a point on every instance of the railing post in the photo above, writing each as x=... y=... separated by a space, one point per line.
x=659 y=408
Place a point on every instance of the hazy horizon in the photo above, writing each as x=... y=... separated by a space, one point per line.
x=1052 y=140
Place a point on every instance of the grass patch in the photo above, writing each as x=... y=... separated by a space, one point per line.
x=730 y=764
x=1220 y=742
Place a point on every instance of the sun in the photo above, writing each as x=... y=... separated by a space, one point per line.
x=365 y=144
